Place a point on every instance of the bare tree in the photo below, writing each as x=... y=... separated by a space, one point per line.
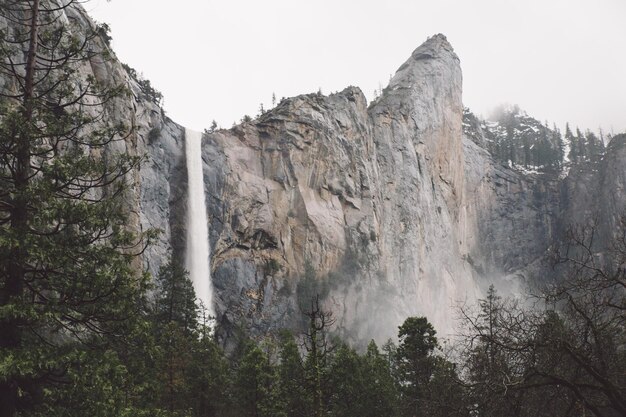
x=318 y=347
x=567 y=358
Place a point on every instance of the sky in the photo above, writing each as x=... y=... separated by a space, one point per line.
x=560 y=60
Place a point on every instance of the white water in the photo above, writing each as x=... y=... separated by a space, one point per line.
x=198 y=251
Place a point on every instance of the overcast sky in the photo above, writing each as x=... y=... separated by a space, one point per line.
x=560 y=60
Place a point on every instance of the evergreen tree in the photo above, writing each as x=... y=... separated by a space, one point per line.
x=175 y=299
x=346 y=384
x=360 y=385
x=445 y=395
x=381 y=392
x=557 y=139
x=581 y=146
x=174 y=364
x=390 y=353
x=67 y=287
x=175 y=323
x=255 y=387
x=292 y=378
x=415 y=362
x=595 y=147
x=514 y=138
x=190 y=368
x=208 y=378
x=139 y=355
x=574 y=151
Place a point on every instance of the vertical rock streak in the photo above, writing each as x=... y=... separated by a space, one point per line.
x=198 y=251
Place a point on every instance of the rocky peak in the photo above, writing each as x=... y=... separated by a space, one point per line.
x=318 y=101
x=425 y=97
x=436 y=49
x=436 y=46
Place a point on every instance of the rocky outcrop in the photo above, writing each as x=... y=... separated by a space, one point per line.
x=398 y=211
x=374 y=198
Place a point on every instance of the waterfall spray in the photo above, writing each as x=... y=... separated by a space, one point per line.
x=198 y=251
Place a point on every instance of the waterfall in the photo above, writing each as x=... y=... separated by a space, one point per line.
x=198 y=251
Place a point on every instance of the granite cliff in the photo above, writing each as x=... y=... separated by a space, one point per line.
x=395 y=208
x=388 y=210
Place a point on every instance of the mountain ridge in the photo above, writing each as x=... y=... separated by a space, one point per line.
x=397 y=209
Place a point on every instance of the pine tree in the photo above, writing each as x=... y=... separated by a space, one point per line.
x=581 y=145
x=255 y=385
x=445 y=396
x=574 y=151
x=175 y=323
x=595 y=147
x=208 y=378
x=292 y=378
x=346 y=384
x=381 y=392
x=415 y=361
x=67 y=286
x=557 y=139
x=175 y=299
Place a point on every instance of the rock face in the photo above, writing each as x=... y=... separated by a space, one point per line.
x=374 y=199
x=387 y=210
x=596 y=192
x=396 y=209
